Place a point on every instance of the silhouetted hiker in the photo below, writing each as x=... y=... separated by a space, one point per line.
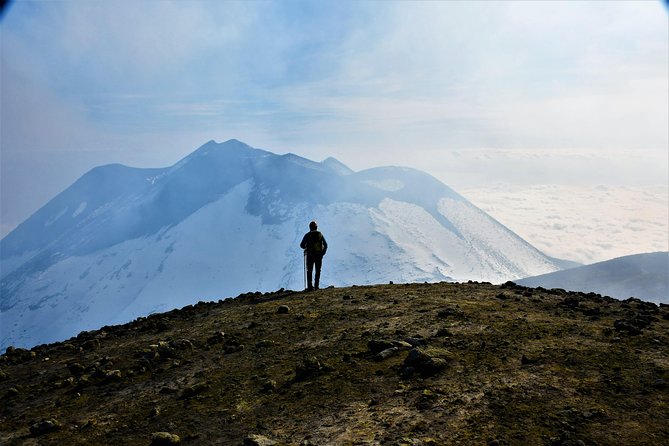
x=314 y=246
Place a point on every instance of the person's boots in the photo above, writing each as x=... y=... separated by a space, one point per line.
x=317 y=278
x=310 y=287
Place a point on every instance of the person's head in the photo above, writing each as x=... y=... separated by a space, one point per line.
x=313 y=226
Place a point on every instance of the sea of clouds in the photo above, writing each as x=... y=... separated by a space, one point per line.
x=581 y=205
x=579 y=223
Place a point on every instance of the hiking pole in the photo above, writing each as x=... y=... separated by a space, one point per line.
x=305 y=269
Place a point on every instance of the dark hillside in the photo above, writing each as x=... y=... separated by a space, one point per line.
x=414 y=364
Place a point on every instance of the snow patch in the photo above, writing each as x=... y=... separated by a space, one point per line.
x=80 y=209
x=55 y=218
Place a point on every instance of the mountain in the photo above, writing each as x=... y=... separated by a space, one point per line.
x=123 y=242
x=645 y=276
x=403 y=364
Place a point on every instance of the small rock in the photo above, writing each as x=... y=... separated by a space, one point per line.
x=67 y=382
x=113 y=376
x=449 y=312
x=625 y=325
x=233 y=346
x=283 y=309
x=164 y=439
x=387 y=353
x=566 y=438
x=415 y=341
x=12 y=392
x=403 y=345
x=426 y=400
x=84 y=381
x=12 y=351
x=217 y=338
x=18 y=355
x=529 y=361
x=165 y=351
x=660 y=384
x=75 y=368
x=91 y=345
x=376 y=346
x=181 y=344
x=194 y=390
x=44 y=427
x=269 y=386
x=418 y=361
x=258 y=440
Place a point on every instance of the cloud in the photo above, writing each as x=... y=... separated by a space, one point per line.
x=446 y=74
x=505 y=75
x=583 y=224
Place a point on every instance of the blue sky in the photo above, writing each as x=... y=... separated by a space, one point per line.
x=371 y=83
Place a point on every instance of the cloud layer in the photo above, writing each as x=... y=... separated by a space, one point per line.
x=582 y=224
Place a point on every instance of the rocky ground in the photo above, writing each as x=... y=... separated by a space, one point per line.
x=409 y=364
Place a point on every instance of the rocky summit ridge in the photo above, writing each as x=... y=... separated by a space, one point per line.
x=397 y=364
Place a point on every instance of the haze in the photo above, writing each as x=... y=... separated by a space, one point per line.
x=552 y=116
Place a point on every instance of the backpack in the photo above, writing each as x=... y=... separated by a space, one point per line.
x=316 y=243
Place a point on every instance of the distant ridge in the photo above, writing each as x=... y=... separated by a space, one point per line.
x=644 y=276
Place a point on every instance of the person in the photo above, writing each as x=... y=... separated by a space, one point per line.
x=314 y=246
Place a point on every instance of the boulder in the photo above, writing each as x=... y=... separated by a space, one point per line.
x=422 y=363
x=44 y=427
x=164 y=439
x=258 y=440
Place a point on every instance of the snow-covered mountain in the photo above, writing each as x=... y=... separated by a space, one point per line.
x=644 y=276
x=123 y=242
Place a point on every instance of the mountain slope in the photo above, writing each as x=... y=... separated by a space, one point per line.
x=645 y=276
x=410 y=364
x=123 y=242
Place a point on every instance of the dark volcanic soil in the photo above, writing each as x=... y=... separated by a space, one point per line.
x=412 y=364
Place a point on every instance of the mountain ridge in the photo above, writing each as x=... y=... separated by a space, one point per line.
x=123 y=242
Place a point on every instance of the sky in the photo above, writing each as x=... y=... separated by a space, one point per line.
x=492 y=98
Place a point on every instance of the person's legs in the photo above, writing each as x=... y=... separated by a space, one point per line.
x=310 y=268
x=318 y=262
